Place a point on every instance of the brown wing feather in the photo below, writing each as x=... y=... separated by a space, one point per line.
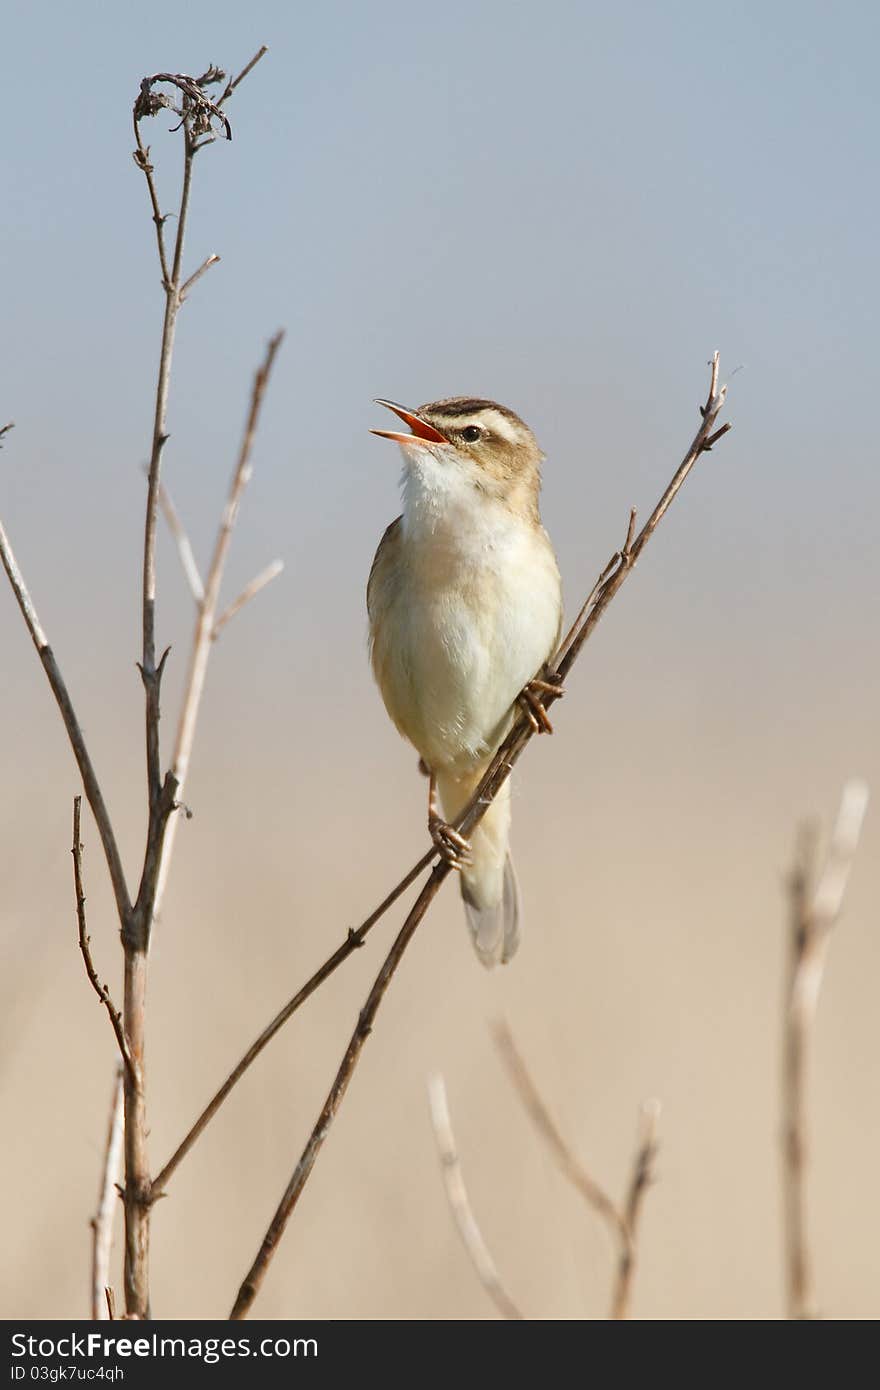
x=385 y=557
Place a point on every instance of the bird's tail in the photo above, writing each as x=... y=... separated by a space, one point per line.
x=488 y=884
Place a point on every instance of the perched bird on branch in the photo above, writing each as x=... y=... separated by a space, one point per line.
x=465 y=609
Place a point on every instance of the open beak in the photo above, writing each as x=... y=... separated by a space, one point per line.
x=420 y=428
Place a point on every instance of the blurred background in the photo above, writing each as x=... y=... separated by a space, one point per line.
x=565 y=207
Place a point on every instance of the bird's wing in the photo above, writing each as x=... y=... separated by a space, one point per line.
x=384 y=563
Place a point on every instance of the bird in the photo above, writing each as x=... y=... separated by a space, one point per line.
x=464 y=601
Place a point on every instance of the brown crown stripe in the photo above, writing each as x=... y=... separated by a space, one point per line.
x=458 y=406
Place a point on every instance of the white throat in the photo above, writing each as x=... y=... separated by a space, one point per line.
x=453 y=529
x=440 y=496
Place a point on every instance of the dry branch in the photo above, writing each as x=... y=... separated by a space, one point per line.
x=568 y=1163
x=459 y=1202
x=100 y=989
x=622 y=1221
x=207 y=621
x=610 y=581
x=815 y=900
x=91 y=785
x=184 y=548
x=248 y=67
x=250 y=591
x=108 y=1196
x=640 y=1181
x=198 y=114
x=614 y=574
x=353 y=940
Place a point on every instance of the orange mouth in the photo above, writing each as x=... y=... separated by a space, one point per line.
x=420 y=428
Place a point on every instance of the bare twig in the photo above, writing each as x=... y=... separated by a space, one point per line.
x=459 y=1203
x=617 y=568
x=567 y=1162
x=498 y=771
x=621 y=1221
x=815 y=902
x=182 y=541
x=142 y=160
x=197 y=113
x=254 y=1278
x=259 y=581
x=640 y=1181
x=191 y=569
x=92 y=788
x=111 y=1304
x=101 y=990
x=161 y=796
x=198 y=117
x=594 y=592
x=108 y=1196
x=353 y=940
x=206 y=617
x=196 y=275
x=248 y=67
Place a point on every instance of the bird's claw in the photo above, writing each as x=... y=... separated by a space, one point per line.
x=453 y=848
x=531 y=700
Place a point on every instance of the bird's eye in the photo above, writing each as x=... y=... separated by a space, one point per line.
x=471 y=433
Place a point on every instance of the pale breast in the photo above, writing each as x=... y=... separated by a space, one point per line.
x=461 y=617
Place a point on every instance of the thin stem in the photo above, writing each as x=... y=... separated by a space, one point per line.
x=621 y=1221
x=100 y=989
x=197 y=275
x=206 y=616
x=255 y=1276
x=459 y=1203
x=250 y=591
x=150 y=674
x=640 y=1180
x=498 y=772
x=353 y=940
x=108 y=1197
x=138 y=924
x=815 y=901
x=137 y=1193
x=499 y=769
x=184 y=547
x=142 y=160
x=568 y=1163
x=248 y=67
x=91 y=785
x=162 y=793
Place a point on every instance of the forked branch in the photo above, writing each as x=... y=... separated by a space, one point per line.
x=609 y=583
x=208 y=622
x=200 y=117
x=622 y=1221
x=599 y=597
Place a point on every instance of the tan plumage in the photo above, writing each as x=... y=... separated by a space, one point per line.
x=465 y=608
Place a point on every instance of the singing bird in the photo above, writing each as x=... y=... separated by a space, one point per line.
x=465 y=609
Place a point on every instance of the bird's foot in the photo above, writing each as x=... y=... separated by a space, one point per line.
x=453 y=848
x=531 y=699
